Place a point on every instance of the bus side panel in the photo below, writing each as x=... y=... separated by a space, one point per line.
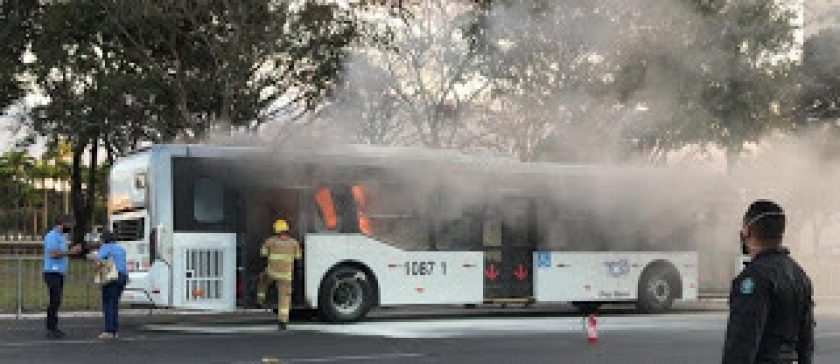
x=404 y=277
x=689 y=267
x=204 y=271
x=604 y=276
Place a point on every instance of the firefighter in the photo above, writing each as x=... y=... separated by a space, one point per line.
x=281 y=250
x=771 y=318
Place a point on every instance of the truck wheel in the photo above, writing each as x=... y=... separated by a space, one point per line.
x=587 y=308
x=345 y=295
x=657 y=290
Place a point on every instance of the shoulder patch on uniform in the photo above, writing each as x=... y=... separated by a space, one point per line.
x=747 y=286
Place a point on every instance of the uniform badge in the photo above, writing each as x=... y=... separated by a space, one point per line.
x=747 y=286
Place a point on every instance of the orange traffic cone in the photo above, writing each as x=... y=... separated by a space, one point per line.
x=591 y=329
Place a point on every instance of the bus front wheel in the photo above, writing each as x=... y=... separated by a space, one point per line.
x=345 y=295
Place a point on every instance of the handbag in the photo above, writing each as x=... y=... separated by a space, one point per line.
x=106 y=272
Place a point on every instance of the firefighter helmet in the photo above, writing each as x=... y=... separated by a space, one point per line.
x=281 y=226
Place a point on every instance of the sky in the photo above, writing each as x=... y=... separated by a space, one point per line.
x=820 y=14
x=9 y=125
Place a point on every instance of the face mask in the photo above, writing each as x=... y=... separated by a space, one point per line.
x=744 y=248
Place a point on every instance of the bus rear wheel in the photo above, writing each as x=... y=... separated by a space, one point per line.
x=657 y=290
x=345 y=295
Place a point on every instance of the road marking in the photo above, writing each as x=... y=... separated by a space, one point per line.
x=123 y=339
x=216 y=329
x=63 y=342
x=821 y=335
x=471 y=326
x=334 y=359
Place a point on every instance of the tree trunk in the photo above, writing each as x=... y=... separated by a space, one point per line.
x=76 y=197
x=90 y=204
x=46 y=212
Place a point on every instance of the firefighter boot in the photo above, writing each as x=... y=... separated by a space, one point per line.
x=262 y=288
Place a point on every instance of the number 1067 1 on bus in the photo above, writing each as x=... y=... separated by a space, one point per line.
x=424 y=268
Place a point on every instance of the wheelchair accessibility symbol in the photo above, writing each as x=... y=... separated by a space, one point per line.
x=543 y=260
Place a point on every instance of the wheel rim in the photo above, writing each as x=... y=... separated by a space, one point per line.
x=347 y=295
x=660 y=290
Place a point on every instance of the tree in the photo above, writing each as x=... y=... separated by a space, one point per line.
x=727 y=72
x=420 y=85
x=820 y=100
x=546 y=66
x=16 y=177
x=634 y=78
x=16 y=22
x=119 y=73
x=654 y=77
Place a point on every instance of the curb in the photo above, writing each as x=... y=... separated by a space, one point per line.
x=130 y=312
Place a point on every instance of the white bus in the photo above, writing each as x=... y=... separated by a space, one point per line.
x=379 y=226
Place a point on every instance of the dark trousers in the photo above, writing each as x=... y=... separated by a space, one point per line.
x=55 y=287
x=111 y=294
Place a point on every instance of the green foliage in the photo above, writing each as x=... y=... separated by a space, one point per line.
x=118 y=73
x=820 y=101
x=129 y=73
x=16 y=23
x=730 y=66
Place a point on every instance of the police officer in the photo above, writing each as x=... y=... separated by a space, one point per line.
x=55 y=267
x=771 y=318
x=281 y=250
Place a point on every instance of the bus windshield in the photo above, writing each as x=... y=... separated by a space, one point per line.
x=128 y=187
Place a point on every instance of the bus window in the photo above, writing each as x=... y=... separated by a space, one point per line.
x=460 y=230
x=516 y=222
x=140 y=181
x=360 y=197
x=394 y=214
x=200 y=199
x=208 y=201
x=551 y=228
x=492 y=230
x=323 y=197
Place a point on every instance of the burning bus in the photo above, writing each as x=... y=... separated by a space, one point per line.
x=385 y=226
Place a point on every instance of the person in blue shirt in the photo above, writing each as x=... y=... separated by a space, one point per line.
x=111 y=292
x=55 y=267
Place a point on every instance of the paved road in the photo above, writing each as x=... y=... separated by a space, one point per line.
x=395 y=336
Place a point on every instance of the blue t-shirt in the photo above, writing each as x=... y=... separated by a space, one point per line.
x=116 y=253
x=55 y=241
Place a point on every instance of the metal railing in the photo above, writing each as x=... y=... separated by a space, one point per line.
x=22 y=287
x=27 y=247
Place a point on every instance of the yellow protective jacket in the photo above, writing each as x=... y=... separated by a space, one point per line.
x=281 y=256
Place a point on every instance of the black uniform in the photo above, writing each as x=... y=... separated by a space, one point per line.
x=771 y=312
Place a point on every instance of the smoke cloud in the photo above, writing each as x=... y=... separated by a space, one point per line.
x=594 y=191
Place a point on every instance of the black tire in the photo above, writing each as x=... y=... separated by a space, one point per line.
x=345 y=295
x=587 y=308
x=657 y=289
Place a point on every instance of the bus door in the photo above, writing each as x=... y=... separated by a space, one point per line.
x=204 y=235
x=509 y=245
x=264 y=206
